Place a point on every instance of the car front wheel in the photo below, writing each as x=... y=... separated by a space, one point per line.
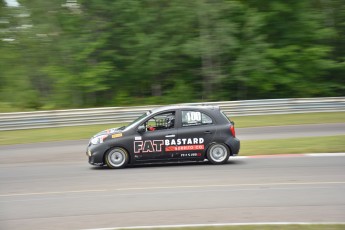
x=117 y=158
x=218 y=153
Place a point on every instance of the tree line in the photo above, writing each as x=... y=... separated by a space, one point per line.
x=91 y=53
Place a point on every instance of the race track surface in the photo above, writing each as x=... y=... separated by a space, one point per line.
x=78 y=196
x=51 y=186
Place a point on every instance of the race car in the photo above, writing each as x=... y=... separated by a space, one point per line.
x=167 y=134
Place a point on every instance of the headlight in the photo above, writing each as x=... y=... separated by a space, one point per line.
x=98 y=139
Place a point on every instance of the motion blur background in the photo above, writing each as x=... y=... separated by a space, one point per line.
x=71 y=54
x=91 y=53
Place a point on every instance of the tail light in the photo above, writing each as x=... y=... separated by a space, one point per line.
x=232 y=130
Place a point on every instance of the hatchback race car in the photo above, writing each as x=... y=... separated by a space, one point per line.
x=167 y=134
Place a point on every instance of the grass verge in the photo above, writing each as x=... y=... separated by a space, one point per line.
x=266 y=227
x=293 y=145
x=84 y=132
x=51 y=134
x=289 y=119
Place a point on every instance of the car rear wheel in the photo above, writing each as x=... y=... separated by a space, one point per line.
x=218 y=153
x=117 y=158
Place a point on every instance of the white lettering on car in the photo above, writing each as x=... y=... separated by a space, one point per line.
x=173 y=142
x=148 y=147
x=185 y=144
x=138 y=146
x=158 y=145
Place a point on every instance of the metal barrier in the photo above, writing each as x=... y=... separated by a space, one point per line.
x=75 y=117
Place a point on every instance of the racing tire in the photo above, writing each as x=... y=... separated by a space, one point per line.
x=116 y=158
x=218 y=154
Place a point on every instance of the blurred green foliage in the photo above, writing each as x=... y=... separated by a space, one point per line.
x=91 y=53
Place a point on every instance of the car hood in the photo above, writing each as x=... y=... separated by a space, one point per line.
x=109 y=131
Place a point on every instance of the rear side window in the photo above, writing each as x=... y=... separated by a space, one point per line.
x=226 y=117
x=192 y=118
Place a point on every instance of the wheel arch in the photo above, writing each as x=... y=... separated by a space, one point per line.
x=233 y=145
x=117 y=146
x=215 y=142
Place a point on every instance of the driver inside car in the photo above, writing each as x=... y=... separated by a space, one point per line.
x=150 y=128
x=168 y=123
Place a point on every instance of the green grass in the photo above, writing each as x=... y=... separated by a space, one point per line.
x=294 y=145
x=288 y=119
x=51 y=134
x=266 y=227
x=83 y=132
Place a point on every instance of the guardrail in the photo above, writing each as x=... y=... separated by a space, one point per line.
x=75 y=117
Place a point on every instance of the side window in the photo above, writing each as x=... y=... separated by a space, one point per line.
x=191 y=118
x=205 y=120
x=160 y=122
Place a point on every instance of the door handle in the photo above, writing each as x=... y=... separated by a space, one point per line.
x=208 y=132
x=170 y=135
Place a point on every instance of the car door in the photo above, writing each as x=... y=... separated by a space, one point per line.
x=158 y=131
x=196 y=132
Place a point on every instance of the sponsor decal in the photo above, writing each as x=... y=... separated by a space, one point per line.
x=116 y=135
x=184 y=148
x=190 y=154
x=171 y=145
x=148 y=146
x=138 y=138
x=184 y=141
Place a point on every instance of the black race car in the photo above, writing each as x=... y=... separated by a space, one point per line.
x=167 y=134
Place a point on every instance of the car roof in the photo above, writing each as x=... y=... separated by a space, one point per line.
x=186 y=107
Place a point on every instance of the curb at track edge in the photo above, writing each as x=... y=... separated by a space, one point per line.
x=291 y=155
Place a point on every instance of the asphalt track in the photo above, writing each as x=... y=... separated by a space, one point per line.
x=51 y=186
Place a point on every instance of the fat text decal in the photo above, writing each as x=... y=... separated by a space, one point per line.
x=173 y=145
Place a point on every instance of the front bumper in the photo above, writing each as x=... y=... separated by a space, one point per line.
x=95 y=153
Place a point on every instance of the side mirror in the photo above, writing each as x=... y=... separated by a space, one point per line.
x=141 y=129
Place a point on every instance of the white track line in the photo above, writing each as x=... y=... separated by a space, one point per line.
x=291 y=155
x=217 y=225
x=325 y=154
x=52 y=192
x=173 y=187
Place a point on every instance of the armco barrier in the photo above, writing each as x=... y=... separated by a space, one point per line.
x=74 y=117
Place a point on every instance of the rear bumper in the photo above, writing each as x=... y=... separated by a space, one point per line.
x=234 y=145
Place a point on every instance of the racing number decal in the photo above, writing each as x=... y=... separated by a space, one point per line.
x=193 y=117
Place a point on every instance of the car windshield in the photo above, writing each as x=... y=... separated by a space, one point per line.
x=138 y=119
